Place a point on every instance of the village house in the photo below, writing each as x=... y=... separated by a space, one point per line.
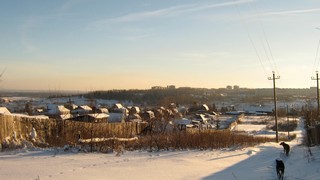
x=96 y=118
x=81 y=110
x=147 y=115
x=57 y=111
x=118 y=108
x=102 y=110
x=118 y=113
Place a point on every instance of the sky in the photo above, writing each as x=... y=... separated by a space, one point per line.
x=101 y=45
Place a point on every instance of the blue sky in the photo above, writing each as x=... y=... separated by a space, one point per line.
x=125 y=44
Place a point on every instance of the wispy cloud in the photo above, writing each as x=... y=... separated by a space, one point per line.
x=25 y=39
x=69 y=4
x=138 y=37
x=202 y=55
x=292 y=12
x=164 y=13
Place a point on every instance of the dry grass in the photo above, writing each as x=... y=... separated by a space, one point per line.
x=58 y=133
x=209 y=139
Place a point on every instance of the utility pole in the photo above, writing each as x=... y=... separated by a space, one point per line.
x=273 y=78
x=317 y=79
x=288 y=121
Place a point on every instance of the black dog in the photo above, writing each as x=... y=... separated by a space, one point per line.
x=286 y=147
x=280 y=169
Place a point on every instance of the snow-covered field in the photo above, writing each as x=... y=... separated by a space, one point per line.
x=240 y=164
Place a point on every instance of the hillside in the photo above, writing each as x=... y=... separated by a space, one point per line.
x=234 y=163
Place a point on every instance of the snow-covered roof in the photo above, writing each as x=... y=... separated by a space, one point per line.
x=118 y=106
x=104 y=110
x=135 y=109
x=65 y=116
x=85 y=107
x=27 y=116
x=62 y=109
x=57 y=109
x=99 y=115
x=82 y=109
x=206 y=107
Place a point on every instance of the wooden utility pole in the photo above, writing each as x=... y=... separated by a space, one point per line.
x=317 y=79
x=288 y=121
x=273 y=78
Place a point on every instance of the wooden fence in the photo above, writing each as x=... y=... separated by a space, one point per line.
x=56 y=132
x=313 y=134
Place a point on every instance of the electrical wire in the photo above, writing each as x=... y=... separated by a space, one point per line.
x=317 y=67
x=258 y=17
x=315 y=63
x=250 y=38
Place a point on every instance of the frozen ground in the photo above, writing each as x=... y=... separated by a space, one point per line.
x=240 y=164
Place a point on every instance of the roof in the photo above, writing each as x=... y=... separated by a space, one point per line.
x=135 y=109
x=118 y=106
x=62 y=109
x=103 y=110
x=85 y=107
x=27 y=116
x=99 y=115
x=82 y=109
x=65 y=116
x=205 y=107
x=57 y=109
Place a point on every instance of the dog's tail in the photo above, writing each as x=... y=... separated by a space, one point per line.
x=280 y=175
x=280 y=171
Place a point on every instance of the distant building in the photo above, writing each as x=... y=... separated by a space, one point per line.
x=161 y=87
x=236 y=87
x=171 y=87
x=157 y=87
x=229 y=87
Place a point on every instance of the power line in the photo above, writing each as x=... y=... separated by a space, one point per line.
x=315 y=63
x=250 y=38
x=273 y=64
x=317 y=67
x=2 y=74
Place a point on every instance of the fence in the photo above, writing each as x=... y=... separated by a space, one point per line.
x=313 y=135
x=56 y=132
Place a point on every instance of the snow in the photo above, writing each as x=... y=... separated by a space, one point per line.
x=4 y=110
x=256 y=162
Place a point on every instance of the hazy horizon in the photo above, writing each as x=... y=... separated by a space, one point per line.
x=92 y=90
x=85 y=45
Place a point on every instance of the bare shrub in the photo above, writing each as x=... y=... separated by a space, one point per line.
x=209 y=139
x=59 y=133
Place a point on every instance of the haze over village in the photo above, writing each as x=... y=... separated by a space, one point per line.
x=222 y=89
